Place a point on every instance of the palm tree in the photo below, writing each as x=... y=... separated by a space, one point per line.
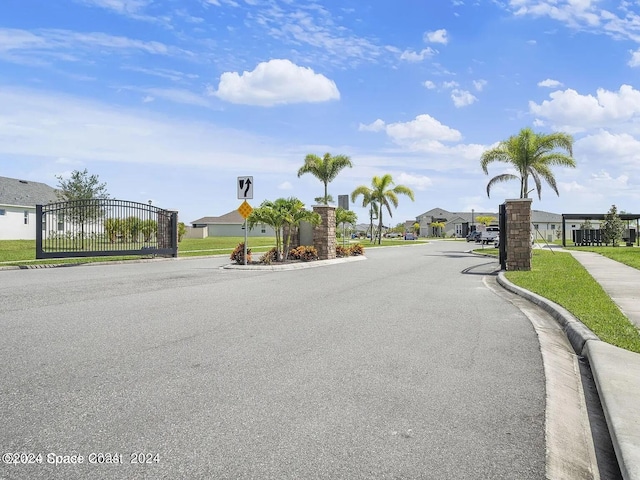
x=343 y=217
x=367 y=201
x=270 y=214
x=277 y=214
x=294 y=213
x=325 y=169
x=531 y=154
x=385 y=193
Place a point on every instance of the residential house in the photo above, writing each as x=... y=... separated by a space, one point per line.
x=545 y=225
x=18 y=200
x=228 y=225
x=456 y=224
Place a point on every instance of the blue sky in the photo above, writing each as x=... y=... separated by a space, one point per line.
x=172 y=100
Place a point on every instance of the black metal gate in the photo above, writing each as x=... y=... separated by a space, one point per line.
x=104 y=227
x=502 y=247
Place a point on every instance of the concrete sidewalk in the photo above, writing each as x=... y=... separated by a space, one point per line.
x=616 y=371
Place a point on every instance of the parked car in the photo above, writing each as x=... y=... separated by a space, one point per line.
x=489 y=235
x=394 y=235
x=409 y=236
x=473 y=236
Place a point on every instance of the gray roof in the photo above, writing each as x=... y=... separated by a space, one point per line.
x=25 y=193
x=233 y=217
x=537 y=216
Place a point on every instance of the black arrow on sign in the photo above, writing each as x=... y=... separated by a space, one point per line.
x=248 y=184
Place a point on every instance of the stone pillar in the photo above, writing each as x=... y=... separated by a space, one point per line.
x=324 y=235
x=518 y=234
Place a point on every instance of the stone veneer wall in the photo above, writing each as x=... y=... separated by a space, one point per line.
x=324 y=235
x=518 y=234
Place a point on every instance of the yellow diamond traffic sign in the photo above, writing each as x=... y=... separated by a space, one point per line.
x=245 y=209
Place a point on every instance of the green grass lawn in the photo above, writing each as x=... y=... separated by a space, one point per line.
x=23 y=252
x=627 y=255
x=562 y=279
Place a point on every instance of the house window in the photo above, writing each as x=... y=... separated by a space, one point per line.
x=573 y=226
x=60 y=222
x=263 y=228
x=553 y=227
x=535 y=225
x=2 y=212
x=26 y=217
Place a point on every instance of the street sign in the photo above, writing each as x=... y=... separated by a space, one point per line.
x=245 y=188
x=245 y=209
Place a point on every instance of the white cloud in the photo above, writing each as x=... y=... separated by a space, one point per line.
x=43 y=125
x=376 y=126
x=437 y=36
x=479 y=84
x=462 y=98
x=549 y=83
x=285 y=186
x=414 y=57
x=276 y=82
x=538 y=123
x=574 y=112
x=428 y=84
x=424 y=127
x=451 y=84
x=418 y=182
x=634 y=61
x=621 y=149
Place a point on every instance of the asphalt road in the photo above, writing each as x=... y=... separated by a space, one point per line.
x=403 y=366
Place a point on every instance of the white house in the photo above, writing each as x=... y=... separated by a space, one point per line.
x=18 y=200
x=228 y=225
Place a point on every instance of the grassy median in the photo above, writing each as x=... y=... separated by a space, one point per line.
x=562 y=279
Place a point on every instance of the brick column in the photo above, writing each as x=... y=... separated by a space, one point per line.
x=324 y=235
x=518 y=234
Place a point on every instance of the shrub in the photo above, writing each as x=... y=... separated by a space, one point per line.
x=238 y=254
x=342 y=251
x=269 y=256
x=355 y=250
x=304 y=252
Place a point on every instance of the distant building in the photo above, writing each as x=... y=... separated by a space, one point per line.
x=228 y=225
x=18 y=200
x=545 y=225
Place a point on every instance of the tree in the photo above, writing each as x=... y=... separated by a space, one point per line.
x=383 y=192
x=486 y=221
x=416 y=229
x=81 y=186
x=532 y=155
x=82 y=191
x=612 y=227
x=345 y=216
x=367 y=201
x=325 y=169
x=295 y=213
x=437 y=227
x=279 y=213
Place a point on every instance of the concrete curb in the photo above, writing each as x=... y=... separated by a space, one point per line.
x=295 y=266
x=616 y=373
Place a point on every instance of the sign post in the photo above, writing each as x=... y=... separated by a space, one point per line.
x=245 y=191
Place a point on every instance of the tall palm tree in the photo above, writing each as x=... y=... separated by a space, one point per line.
x=367 y=201
x=531 y=154
x=325 y=169
x=385 y=193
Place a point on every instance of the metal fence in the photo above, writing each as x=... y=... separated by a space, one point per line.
x=104 y=227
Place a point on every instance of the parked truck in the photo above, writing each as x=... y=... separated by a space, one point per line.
x=489 y=235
